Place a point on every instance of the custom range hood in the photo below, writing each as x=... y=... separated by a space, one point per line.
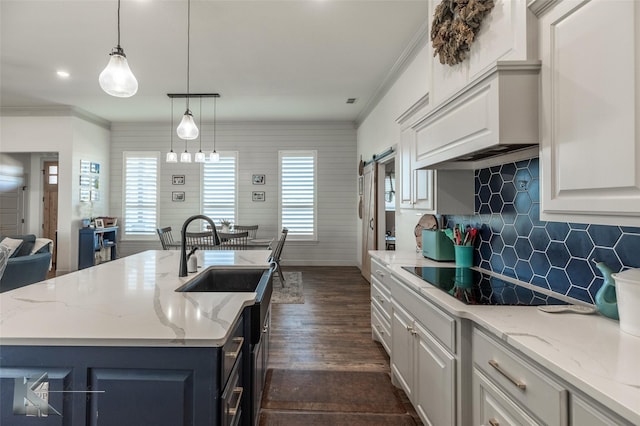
x=494 y=115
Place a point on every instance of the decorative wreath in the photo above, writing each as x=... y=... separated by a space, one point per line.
x=455 y=25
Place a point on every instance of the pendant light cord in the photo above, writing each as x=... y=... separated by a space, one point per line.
x=200 y=113
x=188 y=45
x=118 y=24
x=171 y=129
x=215 y=127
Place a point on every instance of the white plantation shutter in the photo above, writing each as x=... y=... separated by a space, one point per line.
x=219 y=188
x=298 y=194
x=140 y=194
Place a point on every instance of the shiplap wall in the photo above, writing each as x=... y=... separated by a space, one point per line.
x=257 y=145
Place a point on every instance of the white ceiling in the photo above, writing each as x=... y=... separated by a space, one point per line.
x=269 y=60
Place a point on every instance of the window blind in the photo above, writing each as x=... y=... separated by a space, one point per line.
x=298 y=193
x=140 y=194
x=219 y=188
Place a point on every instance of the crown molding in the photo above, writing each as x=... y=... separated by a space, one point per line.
x=55 y=111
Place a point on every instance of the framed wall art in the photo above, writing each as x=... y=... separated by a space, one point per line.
x=257 y=196
x=177 y=196
x=258 y=179
x=177 y=180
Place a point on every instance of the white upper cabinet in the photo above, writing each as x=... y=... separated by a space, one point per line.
x=435 y=191
x=590 y=110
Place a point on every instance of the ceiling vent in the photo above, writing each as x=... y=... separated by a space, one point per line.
x=351 y=100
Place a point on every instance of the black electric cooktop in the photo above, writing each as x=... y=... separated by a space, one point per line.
x=478 y=288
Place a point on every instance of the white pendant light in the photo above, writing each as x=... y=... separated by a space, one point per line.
x=200 y=157
x=187 y=129
x=214 y=157
x=172 y=157
x=117 y=79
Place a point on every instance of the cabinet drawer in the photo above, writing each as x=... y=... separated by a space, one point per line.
x=381 y=328
x=530 y=387
x=381 y=299
x=231 y=350
x=381 y=273
x=436 y=321
x=491 y=407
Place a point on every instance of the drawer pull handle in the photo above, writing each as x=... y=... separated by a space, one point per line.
x=234 y=410
x=265 y=328
x=493 y=422
x=380 y=330
x=381 y=299
x=239 y=341
x=411 y=330
x=379 y=272
x=508 y=376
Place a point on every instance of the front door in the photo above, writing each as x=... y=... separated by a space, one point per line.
x=50 y=200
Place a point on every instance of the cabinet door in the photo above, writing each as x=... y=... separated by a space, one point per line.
x=590 y=89
x=402 y=347
x=405 y=199
x=435 y=393
x=586 y=413
x=141 y=396
x=491 y=407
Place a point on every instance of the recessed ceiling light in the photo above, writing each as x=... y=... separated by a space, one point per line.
x=63 y=74
x=351 y=100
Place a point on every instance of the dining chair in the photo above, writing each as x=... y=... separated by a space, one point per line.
x=204 y=240
x=251 y=229
x=276 y=254
x=166 y=239
x=233 y=240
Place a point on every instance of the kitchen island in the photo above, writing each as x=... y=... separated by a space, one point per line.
x=116 y=344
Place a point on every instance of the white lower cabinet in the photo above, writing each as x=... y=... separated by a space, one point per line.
x=420 y=362
x=380 y=305
x=586 y=412
x=522 y=385
x=435 y=390
x=492 y=407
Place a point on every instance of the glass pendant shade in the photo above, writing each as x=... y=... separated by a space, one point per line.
x=117 y=79
x=214 y=157
x=187 y=128
x=172 y=157
x=185 y=157
x=200 y=157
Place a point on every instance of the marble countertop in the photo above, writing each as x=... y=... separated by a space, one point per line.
x=588 y=351
x=129 y=301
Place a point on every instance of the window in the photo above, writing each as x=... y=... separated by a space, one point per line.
x=298 y=194
x=219 y=188
x=140 y=204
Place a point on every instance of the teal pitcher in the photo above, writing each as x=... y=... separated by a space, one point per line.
x=606 y=299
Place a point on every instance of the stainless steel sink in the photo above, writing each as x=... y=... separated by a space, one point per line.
x=224 y=280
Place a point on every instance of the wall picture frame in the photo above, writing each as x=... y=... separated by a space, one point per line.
x=258 y=179
x=99 y=223
x=257 y=196
x=177 y=180
x=177 y=196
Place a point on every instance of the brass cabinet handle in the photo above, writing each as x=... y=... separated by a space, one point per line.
x=233 y=410
x=380 y=330
x=506 y=375
x=239 y=341
x=494 y=422
x=379 y=272
x=380 y=299
x=411 y=330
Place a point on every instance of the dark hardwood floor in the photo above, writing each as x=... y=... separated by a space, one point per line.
x=332 y=329
x=330 y=332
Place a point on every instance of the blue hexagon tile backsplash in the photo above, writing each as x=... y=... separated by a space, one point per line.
x=554 y=255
